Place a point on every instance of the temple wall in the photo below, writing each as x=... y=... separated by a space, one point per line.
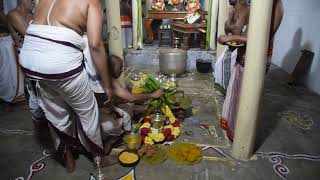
x=299 y=30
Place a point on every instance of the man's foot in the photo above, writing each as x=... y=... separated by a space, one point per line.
x=70 y=163
x=108 y=161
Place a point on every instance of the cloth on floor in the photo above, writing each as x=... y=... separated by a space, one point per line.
x=11 y=77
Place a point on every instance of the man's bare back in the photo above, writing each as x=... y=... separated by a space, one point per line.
x=81 y=16
x=71 y=14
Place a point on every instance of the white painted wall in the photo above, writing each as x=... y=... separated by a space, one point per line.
x=300 y=29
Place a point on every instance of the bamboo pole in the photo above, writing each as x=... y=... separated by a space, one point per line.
x=114 y=27
x=222 y=17
x=140 y=28
x=137 y=24
x=212 y=24
x=253 y=79
x=207 y=5
x=134 y=4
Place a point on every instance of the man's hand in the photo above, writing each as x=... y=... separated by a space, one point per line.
x=109 y=93
x=223 y=39
x=157 y=94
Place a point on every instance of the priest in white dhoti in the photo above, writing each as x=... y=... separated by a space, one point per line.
x=52 y=56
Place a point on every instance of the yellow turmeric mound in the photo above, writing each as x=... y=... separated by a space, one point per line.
x=128 y=157
x=185 y=153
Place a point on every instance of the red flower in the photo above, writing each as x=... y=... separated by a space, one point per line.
x=145 y=131
x=147 y=119
x=176 y=123
x=170 y=137
x=166 y=132
x=142 y=138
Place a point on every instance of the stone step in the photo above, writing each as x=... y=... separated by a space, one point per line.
x=148 y=58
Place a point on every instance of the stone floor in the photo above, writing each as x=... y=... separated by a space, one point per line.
x=284 y=150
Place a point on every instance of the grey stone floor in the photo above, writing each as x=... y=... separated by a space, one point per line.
x=285 y=150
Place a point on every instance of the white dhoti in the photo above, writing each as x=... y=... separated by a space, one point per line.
x=11 y=77
x=52 y=56
x=59 y=99
x=224 y=67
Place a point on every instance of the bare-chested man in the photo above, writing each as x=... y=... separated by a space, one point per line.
x=230 y=106
x=236 y=24
x=19 y=19
x=52 y=55
x=121 y=124
x=11 y=78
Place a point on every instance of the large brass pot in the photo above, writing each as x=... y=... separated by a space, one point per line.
x=172 y=60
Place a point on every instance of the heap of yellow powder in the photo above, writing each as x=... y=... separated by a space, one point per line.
x=128 y=157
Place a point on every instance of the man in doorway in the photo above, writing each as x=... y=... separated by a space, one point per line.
x=230 y=106
x=236 y=24
x=52 y=55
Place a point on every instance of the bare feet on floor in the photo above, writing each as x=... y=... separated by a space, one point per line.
x=70 y=163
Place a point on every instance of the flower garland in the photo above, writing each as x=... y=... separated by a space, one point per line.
x=151 y=135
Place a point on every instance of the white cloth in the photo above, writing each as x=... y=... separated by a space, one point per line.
x=224 y=66
x=60 y=98
x=115 y=126
x=43 y=56
x=35 y=109
x=192 y=18
x=94 y=78
x=11 y=77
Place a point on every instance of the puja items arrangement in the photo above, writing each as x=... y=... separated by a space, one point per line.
x=158 y=126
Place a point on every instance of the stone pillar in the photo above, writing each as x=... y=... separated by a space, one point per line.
x=212 y=24
x=253 y=79
x=140 y=25
x=222 y=17
x=114 y=27
x=137 y=24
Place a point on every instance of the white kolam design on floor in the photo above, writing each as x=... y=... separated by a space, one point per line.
x=276 y=158
x=37 y=165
